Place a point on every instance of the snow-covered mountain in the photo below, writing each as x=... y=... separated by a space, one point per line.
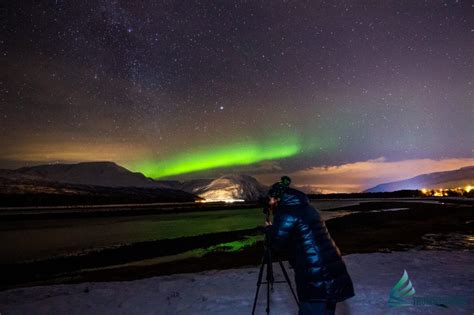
x=106 y=174
x=449 y=179
x=225 y=188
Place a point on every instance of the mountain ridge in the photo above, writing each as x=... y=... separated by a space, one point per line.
x=102 y=173
x=445 y=179
x=230 y=187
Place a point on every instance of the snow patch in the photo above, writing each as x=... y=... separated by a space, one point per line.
x=433 y=273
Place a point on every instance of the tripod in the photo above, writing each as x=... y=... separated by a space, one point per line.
x=267 y=261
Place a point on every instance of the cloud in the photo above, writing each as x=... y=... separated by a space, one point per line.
x=358 y=176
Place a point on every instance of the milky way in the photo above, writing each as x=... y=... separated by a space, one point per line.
x=141 y=81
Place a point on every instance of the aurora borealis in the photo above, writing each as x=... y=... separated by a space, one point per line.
x=195 y=89
x=229 y=155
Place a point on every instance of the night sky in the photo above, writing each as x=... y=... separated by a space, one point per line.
x=262 y=88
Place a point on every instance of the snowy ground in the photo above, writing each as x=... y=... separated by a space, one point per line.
x=433 y=273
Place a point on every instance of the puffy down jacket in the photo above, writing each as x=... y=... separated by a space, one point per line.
x=320 y=272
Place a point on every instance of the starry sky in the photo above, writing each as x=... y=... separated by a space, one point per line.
x=264 y=88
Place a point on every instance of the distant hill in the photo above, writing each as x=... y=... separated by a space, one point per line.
x=107 y=177
x=83 y=184
x=28 y=192
x=106 y=174
x=308 y=189
x=449 y=179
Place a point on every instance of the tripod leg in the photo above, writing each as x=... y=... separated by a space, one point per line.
x=289 y=282
x=259 y=282
x=268 y=298
x=270 y=278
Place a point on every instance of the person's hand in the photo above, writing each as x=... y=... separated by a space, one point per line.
x=268 y=223
x=273 y=201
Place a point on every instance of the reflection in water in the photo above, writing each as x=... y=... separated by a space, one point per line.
x=29 y=240
x=61 y=237
x=233 y=246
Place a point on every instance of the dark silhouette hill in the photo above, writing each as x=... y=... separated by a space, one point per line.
x=106 y=174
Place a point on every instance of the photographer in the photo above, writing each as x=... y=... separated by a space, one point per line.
x=321 y=276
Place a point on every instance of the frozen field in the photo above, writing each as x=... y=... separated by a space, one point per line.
x=433 y=273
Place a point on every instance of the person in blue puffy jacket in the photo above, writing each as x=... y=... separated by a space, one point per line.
x=321 y=276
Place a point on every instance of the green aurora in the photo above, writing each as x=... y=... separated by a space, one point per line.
x=241 y=153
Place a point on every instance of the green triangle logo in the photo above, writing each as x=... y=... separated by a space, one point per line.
x=401 y=291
